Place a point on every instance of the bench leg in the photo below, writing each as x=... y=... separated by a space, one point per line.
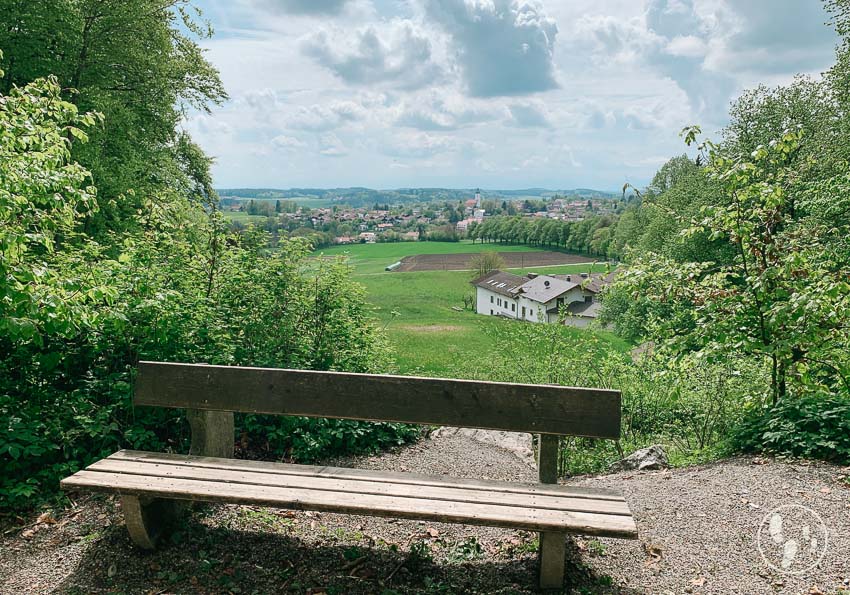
x=148 y=519
x=552 y=544
x=551 y=555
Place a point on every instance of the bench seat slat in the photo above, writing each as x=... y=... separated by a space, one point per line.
x=244 y=477
x=204 y=487
x=369 y=475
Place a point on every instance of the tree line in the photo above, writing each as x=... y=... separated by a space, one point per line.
x=593 y=235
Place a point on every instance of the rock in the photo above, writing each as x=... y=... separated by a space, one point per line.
x=517 y=443
x=652 y=457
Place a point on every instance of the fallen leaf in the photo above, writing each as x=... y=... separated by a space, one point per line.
x=825 y=491
x=47 y=518
x=655 y=554
x=699 y=582
x=581 y=545
x=28 y=533
x=112 y=570
x=432 y=532
x=815 y=590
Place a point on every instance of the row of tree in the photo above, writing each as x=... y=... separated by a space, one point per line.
x=592 y=235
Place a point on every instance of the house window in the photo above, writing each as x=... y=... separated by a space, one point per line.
x=588 y=298
x=491 y=312
x=491 y=299
x=523 y=311
x=499 y=302
x=513 y=307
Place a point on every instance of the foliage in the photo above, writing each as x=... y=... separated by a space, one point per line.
x=815 y=426
x=446 y=233
x=486 y=262
x=688 y=405
x=76 y=316
x=592 y=235
x=138 y=63
x=43 y=195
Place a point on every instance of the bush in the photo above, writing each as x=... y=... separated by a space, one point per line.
x=77 y=313
x=688 y=405
x=812 y=427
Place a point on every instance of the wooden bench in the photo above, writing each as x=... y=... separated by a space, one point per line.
x=151 y=485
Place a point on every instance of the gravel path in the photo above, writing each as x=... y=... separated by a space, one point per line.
x=698 y=531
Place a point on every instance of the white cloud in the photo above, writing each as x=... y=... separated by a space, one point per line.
x=287 y=142
x=325 y=116
x=503 y=47
x=687 y=46
x=446 y=109
x=529 y=115
x=307 y=7
x=397 y=54
x=498 y=93
x=330 y=145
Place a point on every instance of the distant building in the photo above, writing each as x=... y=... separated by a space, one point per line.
x=463 y=225
x=368 y=237
x=539 y=298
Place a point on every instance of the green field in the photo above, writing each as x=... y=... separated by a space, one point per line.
x=243 y=217
x=428 y=336
x=374 y=258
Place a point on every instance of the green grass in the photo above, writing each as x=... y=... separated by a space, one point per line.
x=428 y=336
x=244 y=217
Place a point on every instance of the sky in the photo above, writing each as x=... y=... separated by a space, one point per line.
x=486 y=93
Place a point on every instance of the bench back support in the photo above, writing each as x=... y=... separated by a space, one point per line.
x=542 y=409
x=212 y=433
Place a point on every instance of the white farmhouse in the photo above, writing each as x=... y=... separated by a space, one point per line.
x=538 y=298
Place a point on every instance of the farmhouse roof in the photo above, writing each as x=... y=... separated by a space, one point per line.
x=593 y=284
x=545 y=288
x=496 y=281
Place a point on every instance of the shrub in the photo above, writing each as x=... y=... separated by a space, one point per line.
x=77 y=313
x=813 y=427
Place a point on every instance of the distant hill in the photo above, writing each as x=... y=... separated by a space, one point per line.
x=356 y=196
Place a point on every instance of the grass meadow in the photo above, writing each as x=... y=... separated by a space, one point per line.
x=417 y=309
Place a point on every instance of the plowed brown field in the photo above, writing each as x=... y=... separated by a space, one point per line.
x=460 y=262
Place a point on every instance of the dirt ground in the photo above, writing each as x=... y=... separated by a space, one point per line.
x=462 y=262
x=699 y=530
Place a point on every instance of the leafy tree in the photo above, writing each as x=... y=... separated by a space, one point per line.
x=783 y=297
x=43 y=196
x=486 y=262
x=136 y=62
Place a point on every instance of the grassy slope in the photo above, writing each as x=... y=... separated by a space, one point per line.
x=429 y=337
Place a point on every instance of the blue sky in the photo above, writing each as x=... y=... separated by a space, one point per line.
x=490 y=93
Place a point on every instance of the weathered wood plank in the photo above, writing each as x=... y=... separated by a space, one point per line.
x=551 y=554
x=365 y=504
x=213 y=433
x=244 y=477
x=368 y=475
x=542 y=409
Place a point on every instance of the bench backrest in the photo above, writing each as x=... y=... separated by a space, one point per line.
x=542 y=409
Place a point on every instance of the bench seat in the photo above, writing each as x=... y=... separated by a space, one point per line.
x=536 y=507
